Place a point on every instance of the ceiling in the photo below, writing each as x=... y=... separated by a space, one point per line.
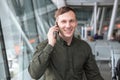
x=85 y=8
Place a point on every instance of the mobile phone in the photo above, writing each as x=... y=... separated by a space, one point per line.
x=56 y=33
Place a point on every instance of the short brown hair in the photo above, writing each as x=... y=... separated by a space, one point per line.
x=63 y=10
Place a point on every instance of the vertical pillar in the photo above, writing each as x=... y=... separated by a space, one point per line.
x=95 y=18
x=101 y=20
x=112 y=21
x=98 y=14
x=82 y=32
x=85 y=28
x=91 y=24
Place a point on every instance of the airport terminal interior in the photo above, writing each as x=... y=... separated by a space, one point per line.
x=25 y=23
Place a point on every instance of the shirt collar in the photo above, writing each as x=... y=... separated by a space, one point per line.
x=62 y=42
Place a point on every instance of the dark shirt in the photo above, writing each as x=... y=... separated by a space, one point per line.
x=63 y=62
x=96 y=36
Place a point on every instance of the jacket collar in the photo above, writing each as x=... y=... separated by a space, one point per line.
x=62 y=42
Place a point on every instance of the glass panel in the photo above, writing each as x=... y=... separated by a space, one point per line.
x=27 y=25
x=2 y=67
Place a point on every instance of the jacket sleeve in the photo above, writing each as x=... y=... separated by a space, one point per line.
x=40 y=60
x=91 y=68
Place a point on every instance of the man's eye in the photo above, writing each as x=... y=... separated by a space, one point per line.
x=72 y=20
x=63 y=21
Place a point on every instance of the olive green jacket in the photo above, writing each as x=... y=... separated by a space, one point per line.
x=63 y=62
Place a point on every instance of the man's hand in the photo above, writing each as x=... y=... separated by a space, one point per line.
x=51 y=36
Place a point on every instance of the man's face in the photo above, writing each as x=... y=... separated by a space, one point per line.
x=67 y=23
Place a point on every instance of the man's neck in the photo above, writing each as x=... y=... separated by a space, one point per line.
x=68 y=40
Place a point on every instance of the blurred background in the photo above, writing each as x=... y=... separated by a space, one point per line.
x=25 y=23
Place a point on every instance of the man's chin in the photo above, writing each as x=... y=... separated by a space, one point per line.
x=68 y=36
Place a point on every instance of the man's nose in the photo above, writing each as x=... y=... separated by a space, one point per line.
x=68 y=24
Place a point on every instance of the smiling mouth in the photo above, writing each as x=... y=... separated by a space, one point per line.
x=68 y=31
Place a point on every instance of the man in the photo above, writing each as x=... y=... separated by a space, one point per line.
x=64 y=57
